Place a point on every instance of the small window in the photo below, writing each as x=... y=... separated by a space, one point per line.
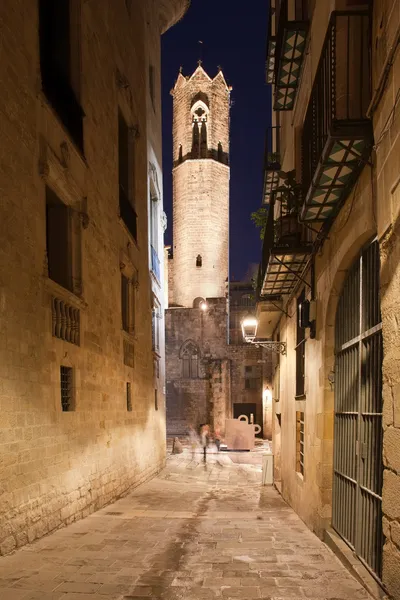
x=180 y=155
x=156 y=399
x=300 y=442
x=67 y=390
x=128 y=397
x=58 y=240
x=300 y=350
x=199 y=261
x=125 y=303
x=220 y=153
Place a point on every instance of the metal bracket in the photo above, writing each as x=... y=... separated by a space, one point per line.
x=278 y=347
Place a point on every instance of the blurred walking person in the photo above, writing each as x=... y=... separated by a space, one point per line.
x=204 y=436
x=193 y=439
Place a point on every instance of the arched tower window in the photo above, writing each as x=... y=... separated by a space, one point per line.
x=195 y=139
x=220 y=154
x=189 y=355
x=203 y=140
x=199 y=261
x=199 y=130
x=180 y=156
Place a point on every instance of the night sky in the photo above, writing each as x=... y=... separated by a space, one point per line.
x=234 y=38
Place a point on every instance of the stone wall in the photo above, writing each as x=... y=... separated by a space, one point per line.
x=372 y=210
x=200 y=191
x=58 y=466
x=386 y=118
x=221 y=378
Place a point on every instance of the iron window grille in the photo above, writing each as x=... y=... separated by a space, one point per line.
x=300 y=442
x=66 y=387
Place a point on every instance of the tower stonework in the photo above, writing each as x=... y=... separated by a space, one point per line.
x=211 y=374
x=200 y=187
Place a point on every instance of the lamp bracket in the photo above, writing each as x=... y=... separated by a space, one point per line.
x=278 y=347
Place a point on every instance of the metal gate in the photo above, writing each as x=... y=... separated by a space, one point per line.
x=357 y=461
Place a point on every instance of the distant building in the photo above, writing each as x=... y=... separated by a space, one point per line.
x=81 y=258
x=330 y=277
x=211 y=374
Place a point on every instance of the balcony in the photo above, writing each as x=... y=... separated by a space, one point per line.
x=271 y=44
x=127 y=213
x=272 y=163
x=337 y=136
x=286 y=50
x=286 y=249
x=155 y=264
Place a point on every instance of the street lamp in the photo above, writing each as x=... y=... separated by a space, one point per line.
x=249 y=332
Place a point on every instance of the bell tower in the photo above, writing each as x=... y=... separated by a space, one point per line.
x=200 y=187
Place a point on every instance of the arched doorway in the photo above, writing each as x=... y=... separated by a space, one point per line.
x=357 y=461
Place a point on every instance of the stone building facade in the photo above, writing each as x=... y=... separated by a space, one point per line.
x=211 y=374
x=81 y=378
x=336 y=391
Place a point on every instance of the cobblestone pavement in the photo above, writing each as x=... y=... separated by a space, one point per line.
x=194 y=532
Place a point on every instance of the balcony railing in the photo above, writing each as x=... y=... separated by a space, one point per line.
x=286 y=248
x=337 y=136
x=155 y=264
x=127 y=213
x=290 y=19
x=271 y=44
x=272 y=162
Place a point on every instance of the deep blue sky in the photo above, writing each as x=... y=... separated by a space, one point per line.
x=235 y=38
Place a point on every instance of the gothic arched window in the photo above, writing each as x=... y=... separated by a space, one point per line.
x=189 y=355
x=180 y=157
x=199 y=261
x=199 y=130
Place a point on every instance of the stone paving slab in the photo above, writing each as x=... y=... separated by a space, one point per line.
x=194 y=532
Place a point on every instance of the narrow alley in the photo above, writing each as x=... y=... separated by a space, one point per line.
x=193 y=532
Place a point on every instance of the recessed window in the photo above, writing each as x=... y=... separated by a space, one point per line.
x=128 y=397
x=59 y=62
x=58 y=240
x=220 y=153
x=300 y=442
x=156 y=399
x=126 y=176
x=128 y=303
x=252 y=378
x=67 y=389
x=199 y=261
